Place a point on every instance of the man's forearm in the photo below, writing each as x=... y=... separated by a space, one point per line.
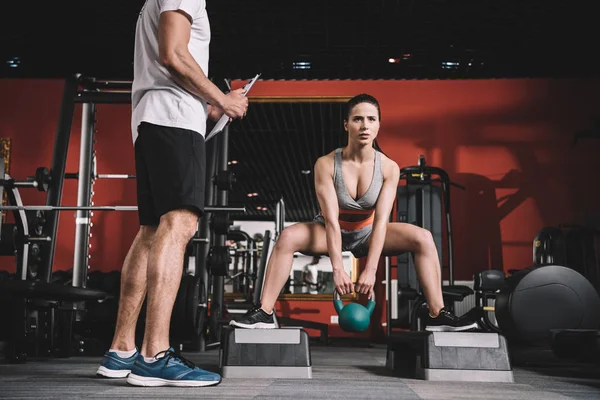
x=187 y=73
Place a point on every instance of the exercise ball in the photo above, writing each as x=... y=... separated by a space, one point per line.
x=541 y=298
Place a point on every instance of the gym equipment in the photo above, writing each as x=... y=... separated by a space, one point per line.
x=353 y=317
x=243 y=279
x=255 y=277
x=455 y=356
x=225 y=180
x=8 y=239
x=187 y=320
x=107 y=208
x=582 y=246
x=423 y=201
x=300 y=283
x=46 y=295
x=220 y=223
x=450 y=356
x=218 y=260
x=43 y=177
x=486 y=284
x=549 y=247
x=570 y=245
x=74 y=175
x=539 y=299
x=8 y=183
x=26 y=251
x=265 y=353
x=581 y=345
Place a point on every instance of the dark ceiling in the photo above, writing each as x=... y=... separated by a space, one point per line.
x=277 y=144
x=352 y=39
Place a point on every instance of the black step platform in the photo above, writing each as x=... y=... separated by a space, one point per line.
x=450 y=356
x=51 y=291
x=265 y=353
x=576 y=344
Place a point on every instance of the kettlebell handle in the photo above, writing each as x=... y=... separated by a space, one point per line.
x=336 y=295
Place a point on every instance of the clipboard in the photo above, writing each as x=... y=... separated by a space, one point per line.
x=222 y=122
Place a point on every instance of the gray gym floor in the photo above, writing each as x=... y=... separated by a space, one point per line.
x=339 y=372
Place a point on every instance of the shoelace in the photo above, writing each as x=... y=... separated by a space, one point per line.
x=170 y=354
x=448 y=314
x=255 y=308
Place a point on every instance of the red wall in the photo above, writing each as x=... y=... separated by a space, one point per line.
x=507 y=141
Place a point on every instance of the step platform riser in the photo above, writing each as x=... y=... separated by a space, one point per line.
x=450 y=356
x=265 y=353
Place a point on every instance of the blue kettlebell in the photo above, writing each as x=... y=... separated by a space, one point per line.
x=353 y=317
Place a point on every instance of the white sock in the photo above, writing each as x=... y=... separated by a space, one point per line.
x=124 y=354
x=154 y=359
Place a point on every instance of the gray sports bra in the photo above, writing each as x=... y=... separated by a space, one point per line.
x=369 y=199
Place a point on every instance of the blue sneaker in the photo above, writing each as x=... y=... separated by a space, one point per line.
x=170 y=370
x=113 y=366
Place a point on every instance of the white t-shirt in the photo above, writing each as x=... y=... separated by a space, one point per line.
x=155 y=97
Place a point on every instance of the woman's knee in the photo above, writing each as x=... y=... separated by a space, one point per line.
x=423 y=241
x=286 y=239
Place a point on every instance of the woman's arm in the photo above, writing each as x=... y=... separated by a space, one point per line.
x=328 y=202
x=385 y=203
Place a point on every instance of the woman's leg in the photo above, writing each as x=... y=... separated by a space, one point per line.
x=308 y=238
x=402 y=237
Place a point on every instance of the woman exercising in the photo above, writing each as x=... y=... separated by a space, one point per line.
x=356 y=187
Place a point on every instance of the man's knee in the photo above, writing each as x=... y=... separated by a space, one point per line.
x=182 y=222
x=146 y=234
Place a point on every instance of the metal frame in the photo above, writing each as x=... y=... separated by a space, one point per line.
x=22 y=225
x=84 y=196
x=89 y=92
x=59 y=162
x=217 y=299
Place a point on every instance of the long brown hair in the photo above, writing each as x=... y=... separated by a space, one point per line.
x=364 y=98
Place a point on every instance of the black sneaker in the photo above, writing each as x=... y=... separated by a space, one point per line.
x=255 y=318
x=448 y=322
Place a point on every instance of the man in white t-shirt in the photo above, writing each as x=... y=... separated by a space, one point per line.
x=171 y=100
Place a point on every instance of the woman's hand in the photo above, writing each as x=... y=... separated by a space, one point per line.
x=366 y=281
x=343 y=283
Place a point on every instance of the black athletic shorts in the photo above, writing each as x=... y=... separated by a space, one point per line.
x=170 y=171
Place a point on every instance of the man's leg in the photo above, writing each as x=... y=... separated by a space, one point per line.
x=165 y=266
x=118 y=360
x=175 y=162
x=133 y=289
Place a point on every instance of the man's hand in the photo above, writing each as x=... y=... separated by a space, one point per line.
x=235 y=104
x=342 y=282
x=366 y=281
x=215 y=113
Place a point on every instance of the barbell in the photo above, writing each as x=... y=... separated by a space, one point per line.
x=107 y=208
